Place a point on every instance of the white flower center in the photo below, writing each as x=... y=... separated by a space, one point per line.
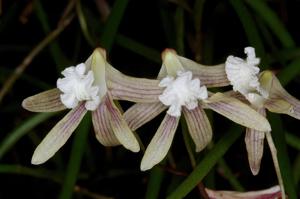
x=181 y=91
x=78 y=86
x=243 y=76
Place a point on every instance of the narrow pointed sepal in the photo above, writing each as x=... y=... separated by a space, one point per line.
x=160 y=143
x=255 y=147
x=280 y=101
x=139 y=90
x=237 y=111
x=58 y=136
x=98 y=64
x=210 y=76
x=102 y=127
x=47 y=101
x=171 y=64
x=254 y=141
x=141 y=113
x=120 y=127
x=199 y=127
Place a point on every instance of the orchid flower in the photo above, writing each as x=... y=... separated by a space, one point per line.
x=185 y=91
x=262 y=91
x=90 y=86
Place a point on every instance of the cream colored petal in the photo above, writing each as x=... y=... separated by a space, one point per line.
x=47 y=101
x=280 y=101
x=160 y=143
x=237 y=111
x=199 y=127
x=123 y=87
x=102 y=127
x=141 y=113
x=120 y=127
x=58 y=135
x=210 y=76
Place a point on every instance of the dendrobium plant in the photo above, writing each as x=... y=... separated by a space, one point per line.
x=90 y=86
x=262 y=91
x=185 y=91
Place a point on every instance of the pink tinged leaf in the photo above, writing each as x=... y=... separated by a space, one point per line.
x=58 y=135
x=210 y=76
x=255 y=146
x=160 y=143
x=280 y=101
x=199 y=127
x=141 y=113
x=47 y=101
x=120 y=127
x=123 y=87
x=237 y=111
x=102 y=127
x=271 y=193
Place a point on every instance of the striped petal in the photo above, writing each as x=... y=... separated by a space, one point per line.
x=280 y=101
x=102 y=127
x=123 y=87
x=47 y=101
x=160 y=143
x=120 y=127
x=58 y=136
x=199 y=127
x=141 y=113
x=237 y=111
x=255 y=146
x=210 y=76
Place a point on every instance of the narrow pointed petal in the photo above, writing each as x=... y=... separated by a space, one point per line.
x=237 y=111
x=160 y=143
x=102 y=127
x=47 y=101
x=120 y=127
x=280 y=101
x=199 y=127
x=210 y=76
x=255 y=147
x=58 y=135
x=123 y=87
x=141 y=113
